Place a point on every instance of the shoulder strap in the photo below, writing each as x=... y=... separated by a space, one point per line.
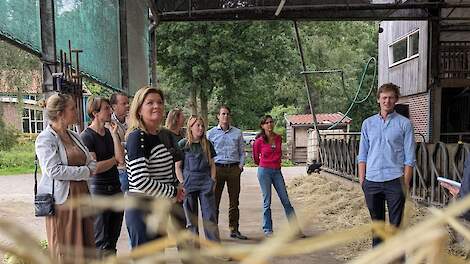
x=36 y=176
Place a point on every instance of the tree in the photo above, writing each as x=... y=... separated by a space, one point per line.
x=254 y=67
x=237 y=64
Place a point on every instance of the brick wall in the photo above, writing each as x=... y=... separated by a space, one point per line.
x=419 y=113
x=11 y=116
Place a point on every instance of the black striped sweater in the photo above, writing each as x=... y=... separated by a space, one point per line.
x=150 y=163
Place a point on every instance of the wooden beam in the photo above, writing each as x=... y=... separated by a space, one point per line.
x=433 y=77
x=455 y=83
x=153 y=57
x=48 y=45
x=124 y=45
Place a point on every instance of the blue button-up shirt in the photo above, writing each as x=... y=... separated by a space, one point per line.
x=229 y=145
x=386 y=146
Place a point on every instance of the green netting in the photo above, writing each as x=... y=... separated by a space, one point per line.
x=93 y=26
x=19 y=21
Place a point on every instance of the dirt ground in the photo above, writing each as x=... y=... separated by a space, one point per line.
x=16 y=196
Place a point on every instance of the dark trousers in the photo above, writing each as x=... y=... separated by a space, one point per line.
x=209 y=217
x=107 y=230
x=231 y=176
x=137 y=228
x=377 y=194
x=107 y=226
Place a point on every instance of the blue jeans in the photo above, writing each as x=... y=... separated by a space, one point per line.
x=124 y=180
x=266 y=178
x=137 y=228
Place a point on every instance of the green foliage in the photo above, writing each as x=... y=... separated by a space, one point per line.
x=12 y=57
x=7 y=134
x=278 y=112
x=345 y=46
x=254 y=68
x=7 y=137
x=237 y=64
x=17 y=67
x=18 y=160
x=13 y=259
x=287 y=163
x=97 y=89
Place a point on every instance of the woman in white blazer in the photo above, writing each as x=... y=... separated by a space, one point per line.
x=65 y=163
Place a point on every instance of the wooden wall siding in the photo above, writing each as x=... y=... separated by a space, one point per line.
x=300 y=137
x=455 y=36
x=300 y=155
x=419 y=113
x=289 y=141
x=410 y=75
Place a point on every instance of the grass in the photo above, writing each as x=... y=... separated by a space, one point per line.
x=18 y=160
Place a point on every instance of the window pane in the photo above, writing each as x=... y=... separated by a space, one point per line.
x=414 y=44
x=399 y=50
x=33 y=127
x=25 y=112
x=39 y=127
x=26 y=125
x=32 y=115
x=38 y=115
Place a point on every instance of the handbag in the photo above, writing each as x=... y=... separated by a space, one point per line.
x=43 y=203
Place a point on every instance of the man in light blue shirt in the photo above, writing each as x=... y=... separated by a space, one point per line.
x=386 y=158
x=230 y=148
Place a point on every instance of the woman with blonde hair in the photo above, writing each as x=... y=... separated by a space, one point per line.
x=175 y=122
x=198 y=173
x=66 y=166
x=150 y=160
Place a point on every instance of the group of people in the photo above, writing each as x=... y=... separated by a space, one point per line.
x=125 y=150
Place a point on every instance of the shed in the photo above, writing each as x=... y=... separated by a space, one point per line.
x=298 y=125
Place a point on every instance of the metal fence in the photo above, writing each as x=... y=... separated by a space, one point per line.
x=339 y=156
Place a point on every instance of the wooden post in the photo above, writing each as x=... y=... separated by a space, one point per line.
x=153 y=56
x=124 y=46
x=434 y=81
x=48 y=50
x=48 y=45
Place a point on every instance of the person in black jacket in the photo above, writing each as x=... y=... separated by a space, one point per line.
x=464 y=188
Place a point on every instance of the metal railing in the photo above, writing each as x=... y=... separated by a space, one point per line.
x=455 y=137
x=339 y=156
x=455 y=59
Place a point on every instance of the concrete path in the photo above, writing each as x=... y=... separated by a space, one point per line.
x=16 y=197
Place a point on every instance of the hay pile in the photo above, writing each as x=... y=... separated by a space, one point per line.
x=333 y=204
x=336 y=204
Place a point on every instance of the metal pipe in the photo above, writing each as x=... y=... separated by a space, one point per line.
x=306 y=83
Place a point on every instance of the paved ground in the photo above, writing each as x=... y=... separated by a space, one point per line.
x=16 y=196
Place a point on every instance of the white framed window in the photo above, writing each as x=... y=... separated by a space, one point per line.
x=404 y=48
x=32 y=120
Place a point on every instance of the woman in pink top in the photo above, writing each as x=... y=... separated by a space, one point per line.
x=267 y=152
